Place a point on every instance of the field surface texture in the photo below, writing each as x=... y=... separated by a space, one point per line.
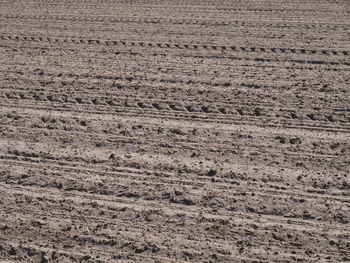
x=174 y=131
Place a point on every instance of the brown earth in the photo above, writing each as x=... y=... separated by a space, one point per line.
x=175 y=131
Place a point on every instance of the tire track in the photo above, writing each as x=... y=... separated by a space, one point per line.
x=176 y=46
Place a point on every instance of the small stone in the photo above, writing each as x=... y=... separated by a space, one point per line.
x=212 y=172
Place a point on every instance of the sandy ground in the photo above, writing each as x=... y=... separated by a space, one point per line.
x=175 y=131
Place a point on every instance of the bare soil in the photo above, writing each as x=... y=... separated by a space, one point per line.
x=175 y=131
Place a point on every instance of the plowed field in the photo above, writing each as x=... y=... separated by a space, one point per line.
x=175 y=131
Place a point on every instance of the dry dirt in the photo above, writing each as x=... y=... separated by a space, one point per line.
x=175 y=131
